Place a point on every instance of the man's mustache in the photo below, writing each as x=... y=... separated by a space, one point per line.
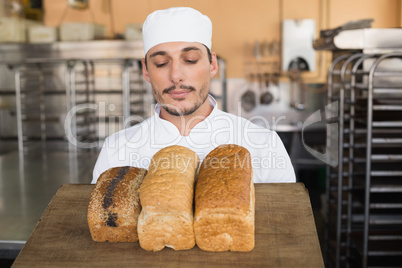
x=167 y=90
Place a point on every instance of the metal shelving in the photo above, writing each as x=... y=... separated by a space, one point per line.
x=364 y=192
x=35 y=88
x=82 y=101
x=80 y=97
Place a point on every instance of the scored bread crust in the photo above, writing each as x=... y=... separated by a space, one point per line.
x=166 y=195
x=114 y=205
x=225 y=201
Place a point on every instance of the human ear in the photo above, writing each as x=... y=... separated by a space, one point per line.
x=214 y=64
x=145 y=71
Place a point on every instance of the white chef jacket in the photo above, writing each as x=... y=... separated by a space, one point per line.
x=136 y=145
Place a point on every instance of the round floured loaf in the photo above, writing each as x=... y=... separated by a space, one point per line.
x=114 y=205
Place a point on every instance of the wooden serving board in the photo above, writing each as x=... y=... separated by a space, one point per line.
x=285 y=236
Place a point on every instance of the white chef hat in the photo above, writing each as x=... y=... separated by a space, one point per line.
x=176 y=24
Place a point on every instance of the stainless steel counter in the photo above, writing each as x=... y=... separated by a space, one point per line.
x=26 y=186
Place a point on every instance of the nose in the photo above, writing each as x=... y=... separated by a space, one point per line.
x=176 y=73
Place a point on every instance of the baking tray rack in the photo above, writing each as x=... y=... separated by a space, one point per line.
x=47 y=90
x=364 y=191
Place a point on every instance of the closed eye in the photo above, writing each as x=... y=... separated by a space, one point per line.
x=160 y=65
x=192 y=61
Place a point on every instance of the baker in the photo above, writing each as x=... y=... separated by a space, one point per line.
x=179 y=65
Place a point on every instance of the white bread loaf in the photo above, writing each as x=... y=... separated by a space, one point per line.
x=225 y=201
x=166 y=195
x=114 y=205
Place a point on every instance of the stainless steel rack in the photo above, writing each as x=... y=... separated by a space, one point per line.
x=35 y=90
x=78 y=100
x=80 y=87
x=364 y=191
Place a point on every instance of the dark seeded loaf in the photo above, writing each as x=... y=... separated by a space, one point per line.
x=114 y=205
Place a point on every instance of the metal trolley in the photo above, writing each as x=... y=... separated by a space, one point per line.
x=364 y=191
x=67 y=99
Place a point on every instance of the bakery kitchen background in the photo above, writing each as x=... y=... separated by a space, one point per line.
x=326 y=78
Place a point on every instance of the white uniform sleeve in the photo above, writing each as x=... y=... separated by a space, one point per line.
x=277 y=167
x=102 y=164
x=287 y=174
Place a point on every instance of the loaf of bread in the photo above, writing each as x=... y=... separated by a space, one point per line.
x=114 y=205
x=225 y=201
x=166 y=195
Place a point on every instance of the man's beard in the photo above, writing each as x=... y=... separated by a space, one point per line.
x=175 y=111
